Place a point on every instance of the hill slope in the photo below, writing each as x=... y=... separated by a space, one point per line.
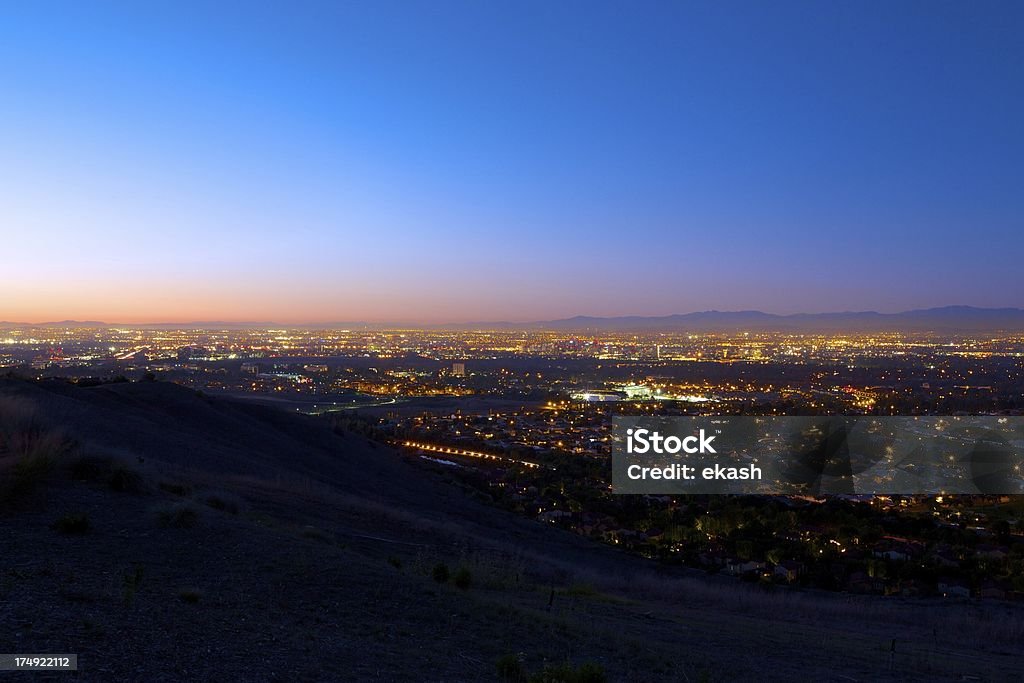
x=228 y=540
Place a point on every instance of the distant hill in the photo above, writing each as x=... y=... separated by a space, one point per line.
x=945 y=319
x=201 y=325
x=941 y=320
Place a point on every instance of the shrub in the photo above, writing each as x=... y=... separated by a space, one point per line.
x=178 y=517
x=190 y=596
x=89 y=468
x=34 y=448
x=126 y=480
x=463 y=579
x=176 y=489
x=32 y=468
x=222 y=504
x=581 y=590
x=591 y=672
x=440 y=572
x=72 y=524
x=27 y=473
x=395 y=562
x=18 y=424
x=510 y=669
x=588 y=672
x=315 y=534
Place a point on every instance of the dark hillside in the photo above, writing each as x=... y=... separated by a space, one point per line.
x=163 y=535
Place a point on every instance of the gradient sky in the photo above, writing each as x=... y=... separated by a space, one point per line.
x=457 y=161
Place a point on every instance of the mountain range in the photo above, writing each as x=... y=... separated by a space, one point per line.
x=942 y=319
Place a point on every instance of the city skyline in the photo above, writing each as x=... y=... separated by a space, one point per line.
x=460 y=162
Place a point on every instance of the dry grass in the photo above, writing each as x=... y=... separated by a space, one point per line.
x=224 y=502
x=180 y=516
x=73 y=523
x=29 y=449
x=499 y=566
x=124 y=479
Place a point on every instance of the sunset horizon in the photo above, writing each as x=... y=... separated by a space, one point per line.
x=525 y=323
x=308 y=170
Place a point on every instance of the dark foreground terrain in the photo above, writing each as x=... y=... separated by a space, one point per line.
x=162 y=535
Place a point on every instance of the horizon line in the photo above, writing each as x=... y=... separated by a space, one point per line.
x=423 y=325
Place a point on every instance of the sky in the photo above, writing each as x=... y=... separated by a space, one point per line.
x=451 y=161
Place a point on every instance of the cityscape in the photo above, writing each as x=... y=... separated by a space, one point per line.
x=525 y=419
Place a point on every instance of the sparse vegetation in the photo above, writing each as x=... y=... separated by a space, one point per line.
x=495 y=570
x=581 y=589
x=28 y=448
x=627 y=615
x=510 y=669
x=588 y=672
x=315 y=534
x=463 y=578
x=176 y=489
x=89 y=468
x=72 y=524
x=123 y=479
x=31 y=469
x=222 y=503
x=180 y=516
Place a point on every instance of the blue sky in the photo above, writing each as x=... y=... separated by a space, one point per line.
x=453 y=161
